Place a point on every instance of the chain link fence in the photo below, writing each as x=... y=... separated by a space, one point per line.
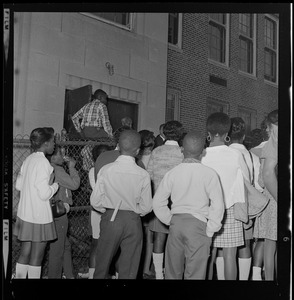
x=79 y=221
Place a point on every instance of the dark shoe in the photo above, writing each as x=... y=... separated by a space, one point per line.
x=148 y=276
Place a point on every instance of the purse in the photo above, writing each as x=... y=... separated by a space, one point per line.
x=58 y=208
x=257 y=201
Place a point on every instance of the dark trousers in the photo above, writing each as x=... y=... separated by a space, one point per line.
x=124 y=232
x=60 y=251
x=93 y=133
x=187 y=248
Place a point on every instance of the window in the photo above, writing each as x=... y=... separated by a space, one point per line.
x=175 y=29
x=218 y=37
x=214 y=105
x=247 y=46
x=119 y=19
x=172 y=105
x=270 y=49
x=249 y=117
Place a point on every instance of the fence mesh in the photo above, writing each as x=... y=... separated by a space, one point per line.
x=79 y=222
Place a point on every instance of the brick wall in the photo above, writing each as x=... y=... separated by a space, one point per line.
x=189 y=71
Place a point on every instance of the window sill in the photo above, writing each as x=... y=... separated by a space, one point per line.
x=175 y=48
x=218 y=64
x=251 y=76
x=276 y=85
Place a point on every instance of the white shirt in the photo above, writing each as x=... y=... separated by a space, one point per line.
x=123 y=180
x=194 y=189
x=230 y=166
x=92 y=177
x=35 y=191
x=256 y=164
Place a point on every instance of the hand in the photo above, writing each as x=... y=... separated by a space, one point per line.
x=67 y=207
x=71 y=163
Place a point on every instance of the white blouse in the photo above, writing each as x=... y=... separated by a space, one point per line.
x=230 y=166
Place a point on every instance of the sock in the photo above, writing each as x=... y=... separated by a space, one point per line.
x=91 y=273
x=256 y=273
x=158 y=264
x=220 y=268
x=244 y=268
x=21 y=270
x=34 y=272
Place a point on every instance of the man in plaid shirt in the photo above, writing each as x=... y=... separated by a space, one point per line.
x=95 y=120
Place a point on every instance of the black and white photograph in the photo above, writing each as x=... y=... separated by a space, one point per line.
x=141 y=150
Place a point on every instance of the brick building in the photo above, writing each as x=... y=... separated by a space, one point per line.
x=222 y=62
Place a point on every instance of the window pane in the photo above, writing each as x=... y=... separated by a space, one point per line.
x=216 y=42
x=173 y=28
x=246 y=25
x=246 y=55
x=270 y=33
x=270 y=65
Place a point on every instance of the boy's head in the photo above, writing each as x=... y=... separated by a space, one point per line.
x=193 y=144
x=129 y=142
x=126 y=121
x=101 y=95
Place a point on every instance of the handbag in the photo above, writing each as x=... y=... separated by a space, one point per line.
x=257 y=201
x=241 y=211
x=58 y=208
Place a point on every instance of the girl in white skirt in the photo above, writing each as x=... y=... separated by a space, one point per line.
x=34 y=226
x=230 y=166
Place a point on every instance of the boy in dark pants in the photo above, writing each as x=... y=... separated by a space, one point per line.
x=196 y=212
x=123 y=192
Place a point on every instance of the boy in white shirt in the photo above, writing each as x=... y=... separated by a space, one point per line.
x=196 y=212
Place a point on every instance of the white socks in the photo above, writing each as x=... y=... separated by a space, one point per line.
x=21 y=271
x=220 y=268
x=244 y=268
x=158 y=264
x=256 y=275
x=91 y=273
x=34 y=272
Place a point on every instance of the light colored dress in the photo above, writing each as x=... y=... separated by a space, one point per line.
x=265 y=226
x=163 y=159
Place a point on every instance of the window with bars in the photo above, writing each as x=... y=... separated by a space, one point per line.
x=175 y=29
x=270 y=49
x=249 y=117
x=247 y=43
x=218 y=37
x=172 y=105
x=119 y=19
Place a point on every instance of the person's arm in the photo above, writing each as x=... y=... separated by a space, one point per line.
x=105 y=120
x=45 y=191
x=69 y=181
x=160 y=200
x=76 y=117
x=145 y=204
x=216 y=208
x=97 y=194
x=269 y=176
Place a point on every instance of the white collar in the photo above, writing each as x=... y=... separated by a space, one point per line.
x=169 y=142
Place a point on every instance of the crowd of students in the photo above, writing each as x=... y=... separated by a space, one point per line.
x=167 y=204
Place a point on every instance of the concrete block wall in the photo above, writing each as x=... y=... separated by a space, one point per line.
x=189 y=71
x=58 y=51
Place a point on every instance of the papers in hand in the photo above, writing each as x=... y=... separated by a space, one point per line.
x=115 y=211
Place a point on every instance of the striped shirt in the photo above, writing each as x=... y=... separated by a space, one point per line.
x=93 y=114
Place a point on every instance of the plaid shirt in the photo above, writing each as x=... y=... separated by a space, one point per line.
x=86 y=154
x=93 y=114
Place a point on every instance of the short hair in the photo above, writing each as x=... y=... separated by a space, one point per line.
x=39 y=136
x=129 y=141
x=127 y=121
x=237 y=130
x=272 y=117
x=99 y=93
x=118 y=132
x=147 y=139
x=193 y=143
x=98 y=149
x=173 y=130
x=218 y=123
